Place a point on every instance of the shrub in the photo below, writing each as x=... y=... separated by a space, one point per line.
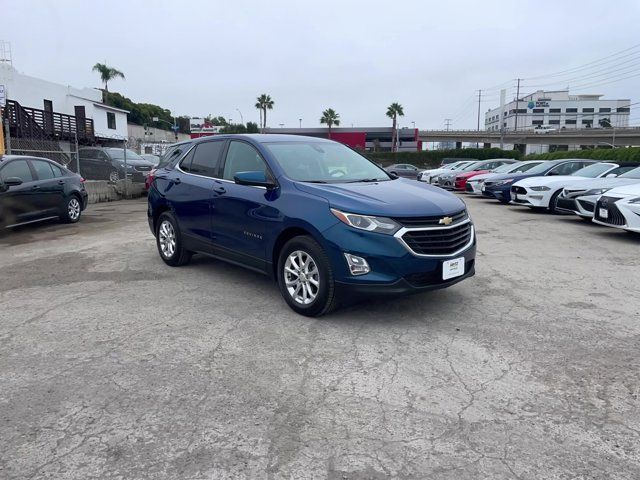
x=631 y=154
x=433 y=158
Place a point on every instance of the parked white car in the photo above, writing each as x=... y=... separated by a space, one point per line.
x=428 y=175
x=544 y=129
x=474 y=184
x=543 y=192
x=620 y=208
x=581 y=199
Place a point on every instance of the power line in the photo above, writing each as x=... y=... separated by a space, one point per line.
x=589 y=64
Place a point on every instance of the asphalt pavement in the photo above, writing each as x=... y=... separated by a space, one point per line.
x=115 y=366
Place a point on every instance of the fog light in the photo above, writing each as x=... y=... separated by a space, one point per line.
x=357 y=265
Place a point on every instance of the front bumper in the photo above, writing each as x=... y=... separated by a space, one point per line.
x=530 y=198
x=621 y=213
x=583 y=206
x=395 y=269
x=498 y=193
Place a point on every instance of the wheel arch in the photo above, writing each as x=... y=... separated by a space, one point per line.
x=283 y=237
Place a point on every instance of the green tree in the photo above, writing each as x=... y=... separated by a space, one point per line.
x=330 y=118
x=264 y=103
x=394 y=111
x=107 y=73
x=605 y=123
x=218 y=121
x=252 y=127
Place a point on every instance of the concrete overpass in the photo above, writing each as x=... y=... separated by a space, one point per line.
x=620 y=137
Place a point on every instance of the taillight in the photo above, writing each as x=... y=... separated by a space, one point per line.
x=82 y=180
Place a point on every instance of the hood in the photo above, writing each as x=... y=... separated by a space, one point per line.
x=632 y=190
x=471 y=174
x=554 y=180
x=436 y=170
x=483 y=176
x=135 y=163
x=516 y=176
x=394 y=198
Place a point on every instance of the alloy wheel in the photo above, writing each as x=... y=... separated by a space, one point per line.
x=167 y=237
x=301 y=276
x=73 y=209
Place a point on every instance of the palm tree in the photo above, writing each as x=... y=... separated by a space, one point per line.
x=330 y=117
x=394 y=111
x=263 y=104
x=107 y=73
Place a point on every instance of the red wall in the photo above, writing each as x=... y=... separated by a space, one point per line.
x=353 y=139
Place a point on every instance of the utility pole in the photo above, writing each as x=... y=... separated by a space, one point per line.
x=503 y=94
x=479 y=102
x=517 y=102
x=300 y=122
x=447 y=123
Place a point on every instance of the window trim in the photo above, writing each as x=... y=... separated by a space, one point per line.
x=33 y=160
x=194 y=146
x=111 y=115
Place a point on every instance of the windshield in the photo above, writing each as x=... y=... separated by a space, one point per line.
x=507 y=167
x=593 y=171
x=525 y=167
x=635 y=173
x=118 y=154
x=461 y=165
x=469 y=167
x=323 y=162
x=541 y=168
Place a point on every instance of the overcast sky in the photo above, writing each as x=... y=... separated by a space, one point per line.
x=214 y=57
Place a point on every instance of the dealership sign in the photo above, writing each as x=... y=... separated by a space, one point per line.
x=198 y=125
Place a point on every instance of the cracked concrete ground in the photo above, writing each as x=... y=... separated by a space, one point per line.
x=115 y=366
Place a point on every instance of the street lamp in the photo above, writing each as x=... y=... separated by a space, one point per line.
x=300 y=122
x=241 y=117
x=174 y=126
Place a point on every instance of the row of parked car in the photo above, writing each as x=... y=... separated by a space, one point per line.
x=607 y=193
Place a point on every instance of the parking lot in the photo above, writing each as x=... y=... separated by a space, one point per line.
x=117 y=366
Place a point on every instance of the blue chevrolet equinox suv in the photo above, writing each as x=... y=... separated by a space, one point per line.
x=326 y=223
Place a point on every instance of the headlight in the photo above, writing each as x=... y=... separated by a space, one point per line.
x=595 y=191
x=540 y=189
x=635 y=200
x=365 y=222
x=127 y=166
x=506 y=181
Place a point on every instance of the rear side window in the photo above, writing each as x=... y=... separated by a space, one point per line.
x=206 y=159
x=17 y=168
x=172 y=154
x=242 y=157
x=44 y=170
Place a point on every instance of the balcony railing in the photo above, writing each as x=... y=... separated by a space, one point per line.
x=25 y=122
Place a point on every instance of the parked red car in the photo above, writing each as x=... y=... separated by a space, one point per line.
x=460 y=181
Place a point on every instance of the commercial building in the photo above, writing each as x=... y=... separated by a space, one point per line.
x=559 y=110
x=361 y=138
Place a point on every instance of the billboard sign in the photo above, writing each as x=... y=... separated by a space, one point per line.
x=198 y=125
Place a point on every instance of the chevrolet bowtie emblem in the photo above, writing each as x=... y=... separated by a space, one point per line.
x=446 y=221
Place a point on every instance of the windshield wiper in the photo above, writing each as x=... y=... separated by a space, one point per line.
x=367 y=180
x=314 y=181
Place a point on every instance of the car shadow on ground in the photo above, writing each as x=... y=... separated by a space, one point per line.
x=428 y=305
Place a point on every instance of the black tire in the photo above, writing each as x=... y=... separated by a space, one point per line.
x=325 y=299
x=553 y=202
x=114 y=176
x=166 y=229
x=72 y=210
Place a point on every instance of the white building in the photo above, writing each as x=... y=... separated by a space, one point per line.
x=558 y=109
x=109 y=123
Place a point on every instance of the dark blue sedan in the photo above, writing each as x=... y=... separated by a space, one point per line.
x=326 y=223
x=499 y=186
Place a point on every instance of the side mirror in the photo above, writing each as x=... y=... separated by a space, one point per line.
x=254 y=179
x=552 y=173
x=611 y=175
x=13 y=181
x=393 y=174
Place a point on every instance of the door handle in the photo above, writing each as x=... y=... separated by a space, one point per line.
x=176 y=180
x=60 y=182
x=35 y=187
x=219 y=189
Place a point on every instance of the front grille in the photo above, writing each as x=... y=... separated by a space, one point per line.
x=468 y=188
x=614 y=217
x=573 y=193
x=421 y=222
x=440 y=241
x=425 y=279
x=519 y=190
x=588 y=206
x=142 y=168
